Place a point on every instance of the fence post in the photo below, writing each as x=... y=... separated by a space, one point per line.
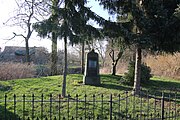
x=102 y=106
x=169 y=108
x=154 y=105
x=162 y=107
x=110 y=108
x=24 y=106
x=5 y=104
x=14 y=106
x=85 y=97
x=147 y=104
x=93 y=106
x=59 y=106
x=68 y=106
x=42 y=96
x=126 y=104
x=119 y=105
x=77 y=106
x=140 y=93
x=32 y=106
x=50 y=111
x=134 y=104
x=175 y=105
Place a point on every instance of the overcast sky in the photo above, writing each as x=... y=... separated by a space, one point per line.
x=6 y=11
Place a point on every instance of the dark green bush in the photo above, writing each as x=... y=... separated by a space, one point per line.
x=145 y=74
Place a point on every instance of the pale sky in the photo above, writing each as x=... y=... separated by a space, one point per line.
x=6 y=9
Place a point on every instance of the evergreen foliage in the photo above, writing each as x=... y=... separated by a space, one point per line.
x=146 y=24
x=154 y=20
x=72 y=22
x=145 y=74
x=69 y=21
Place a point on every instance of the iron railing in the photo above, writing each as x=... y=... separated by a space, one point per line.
x=95 y=107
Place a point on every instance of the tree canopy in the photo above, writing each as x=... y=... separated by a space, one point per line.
x=152 y=24
x=72 y=22
x=147 y=24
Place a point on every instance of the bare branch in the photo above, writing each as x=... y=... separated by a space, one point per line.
x=17 y=4
x=110 y=54
x=23 y=14
x=10 y=38
x=120 y=53
x=15 y=35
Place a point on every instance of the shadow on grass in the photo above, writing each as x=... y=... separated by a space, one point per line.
x=154 y=87
x=4 y=113
x=113 y=82
x=7 y=115
x=166 y=86
x=170 y=89
x=116 y=87
x=5 y=88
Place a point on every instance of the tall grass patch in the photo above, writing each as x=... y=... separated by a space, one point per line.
x=166 y=65
x=10 y=70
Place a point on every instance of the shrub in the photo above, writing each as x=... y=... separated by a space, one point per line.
x=10 y=70
x=145 y=74
x=45 y=70
x=42 y=70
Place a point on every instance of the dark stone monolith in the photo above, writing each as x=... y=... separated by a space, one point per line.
x=91 y=75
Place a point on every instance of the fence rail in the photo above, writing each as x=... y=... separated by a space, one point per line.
x=96 y=107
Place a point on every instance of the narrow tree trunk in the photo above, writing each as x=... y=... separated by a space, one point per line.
x=65 y=68
x=54 y=39
x=115 y=61
x=82 y=59
x=27 y=52
x=54 y=55
x=137 y=77
x=114 y=69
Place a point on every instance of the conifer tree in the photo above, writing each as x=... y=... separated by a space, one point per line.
x=151 y=25
x=69 y=22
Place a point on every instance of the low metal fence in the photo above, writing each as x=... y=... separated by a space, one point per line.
x=94 y=107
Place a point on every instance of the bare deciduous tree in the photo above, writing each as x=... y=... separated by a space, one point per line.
x=115 y=49
x=27 y=13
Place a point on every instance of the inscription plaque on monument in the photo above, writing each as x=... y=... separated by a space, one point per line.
x=91 y=76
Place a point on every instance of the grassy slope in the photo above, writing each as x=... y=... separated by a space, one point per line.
x=52 y=85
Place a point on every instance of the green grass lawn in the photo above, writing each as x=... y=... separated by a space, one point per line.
x=52 y=85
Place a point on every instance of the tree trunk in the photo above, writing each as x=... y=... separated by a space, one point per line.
x=82 y=59
x=54 y=55
x=115 y=61
x=114 y=69
x=65 y=68
x=54 y=39
x=137 y=75
x=27 y=52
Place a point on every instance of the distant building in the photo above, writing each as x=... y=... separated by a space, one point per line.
x=38 y=55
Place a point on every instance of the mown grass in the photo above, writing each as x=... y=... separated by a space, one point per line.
x=52 y=85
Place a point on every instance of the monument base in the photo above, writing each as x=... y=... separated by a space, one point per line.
x=91 y=80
